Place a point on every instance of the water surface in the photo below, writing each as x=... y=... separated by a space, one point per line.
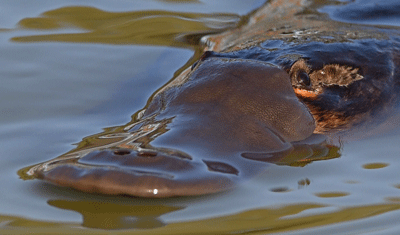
x=66 y=76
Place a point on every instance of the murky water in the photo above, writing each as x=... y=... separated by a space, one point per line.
x=71 y=68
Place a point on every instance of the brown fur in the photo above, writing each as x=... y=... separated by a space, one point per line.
x=328 y=76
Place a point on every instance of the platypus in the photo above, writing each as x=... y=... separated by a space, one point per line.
x=270 y=89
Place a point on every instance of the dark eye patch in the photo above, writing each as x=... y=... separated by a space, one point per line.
x=303 y=79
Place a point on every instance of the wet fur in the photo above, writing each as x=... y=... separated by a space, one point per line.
x=343 y=97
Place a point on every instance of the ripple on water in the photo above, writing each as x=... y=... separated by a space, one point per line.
x=376 y=165
x=280 y=190
x=332 y=194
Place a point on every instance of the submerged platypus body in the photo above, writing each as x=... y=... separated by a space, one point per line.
x=265 y=94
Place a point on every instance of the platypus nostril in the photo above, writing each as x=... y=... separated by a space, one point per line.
x=122 y=152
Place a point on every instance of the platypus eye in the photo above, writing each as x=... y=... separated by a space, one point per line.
x=303 y=79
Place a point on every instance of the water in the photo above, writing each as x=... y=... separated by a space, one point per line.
x=58 y=89
x=366 y=12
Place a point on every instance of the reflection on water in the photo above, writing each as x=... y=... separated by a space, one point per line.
x=159 y=28
x=106 y=215
x=261 y=221
x=333 y=194
x=375 y=165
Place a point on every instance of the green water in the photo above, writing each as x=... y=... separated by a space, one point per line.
x=72 y=68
